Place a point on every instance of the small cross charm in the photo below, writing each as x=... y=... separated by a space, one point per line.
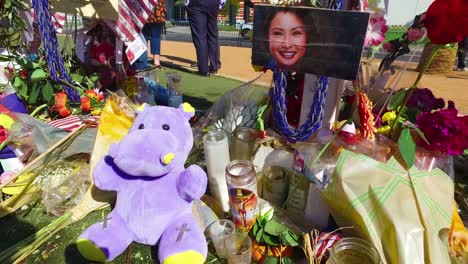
x=182 y=230
x=104 y=226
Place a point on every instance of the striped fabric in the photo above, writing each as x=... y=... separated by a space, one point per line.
x=325 y=243
x=73 y=122
x=57 y=18
x=132 y=17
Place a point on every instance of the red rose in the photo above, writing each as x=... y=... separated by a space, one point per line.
x=85 y=103
x=388 y=47
x=446 y=21
x=60 y=100
x=415 y=34
x=23 y=74
x=64 y=112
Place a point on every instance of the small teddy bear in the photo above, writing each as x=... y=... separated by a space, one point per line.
x=154 y=191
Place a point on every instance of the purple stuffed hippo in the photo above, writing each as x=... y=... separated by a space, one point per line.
x=154 y=191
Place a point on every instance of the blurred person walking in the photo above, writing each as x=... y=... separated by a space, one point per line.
x=152 y=32
x=462 y=50
x=203 y=19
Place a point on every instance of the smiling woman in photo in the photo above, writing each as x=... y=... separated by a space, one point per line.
x=287 y=39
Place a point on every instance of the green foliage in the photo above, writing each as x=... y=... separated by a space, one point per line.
x=273 y=233
x=11 y=24
x=407 y=147
x=397 y=99
x=273 y=260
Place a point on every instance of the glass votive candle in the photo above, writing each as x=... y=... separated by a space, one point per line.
x=218 y=232
x=353 y=250
x=238 y=248
x=243 y=143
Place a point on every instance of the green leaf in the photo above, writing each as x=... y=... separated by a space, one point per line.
x=420 y=133
x=407 y=147
x=274 y=228
x=23 y=89
x=271 y=240
x=255 y=229
x=48 y=91
x=7 y=4
x=289 y=238
x=259 y=235
x=287 y=260
x=76 y=77
x=466 y=151
x=94 y=77
x=34 y=94
x=270 y=260
x=396 y=100
x=17 y=82
x=38 y=75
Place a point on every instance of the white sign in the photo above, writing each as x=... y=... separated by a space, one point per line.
x=136 y=48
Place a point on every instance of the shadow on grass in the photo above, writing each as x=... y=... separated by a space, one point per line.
x=198 y=103
x=13 y=230
x=179 y=59
x=135 y=253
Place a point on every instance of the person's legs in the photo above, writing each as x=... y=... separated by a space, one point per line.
x=462 y=49
x=198 y=20
x=212 y=26
x=142 y=62
x=155 y=42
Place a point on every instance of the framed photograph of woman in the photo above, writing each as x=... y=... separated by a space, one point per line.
x=309 y=40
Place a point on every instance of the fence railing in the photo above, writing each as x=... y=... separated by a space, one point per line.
x=238 y=32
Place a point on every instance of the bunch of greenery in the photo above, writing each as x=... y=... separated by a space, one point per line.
x=11 y=24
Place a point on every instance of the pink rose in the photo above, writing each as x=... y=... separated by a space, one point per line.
x=415 y=34
x=388 y=47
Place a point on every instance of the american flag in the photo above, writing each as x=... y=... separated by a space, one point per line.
x=73 y=122
x=57 y=18
x=325 y=242
x=132 y=17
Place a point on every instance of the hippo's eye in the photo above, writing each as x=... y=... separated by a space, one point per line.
x=141 y=126
x=166 y=127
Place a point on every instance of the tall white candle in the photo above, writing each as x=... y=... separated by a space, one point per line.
x=217 y=158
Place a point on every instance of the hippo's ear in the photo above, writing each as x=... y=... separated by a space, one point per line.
x=141 y=108
x=187 y=110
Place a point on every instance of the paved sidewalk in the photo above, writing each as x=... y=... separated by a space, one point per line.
x=236 y=64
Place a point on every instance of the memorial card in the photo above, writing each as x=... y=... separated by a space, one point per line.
x=309 y=40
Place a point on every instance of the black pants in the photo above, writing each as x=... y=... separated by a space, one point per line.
x=203 y=15
x=462 y=49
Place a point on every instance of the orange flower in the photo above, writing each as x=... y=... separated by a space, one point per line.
x=85 y=103
x=60 y=100
x=365 y=115
x=95 y=95
x=64 y=111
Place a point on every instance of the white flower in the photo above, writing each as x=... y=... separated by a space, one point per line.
x=266 y=212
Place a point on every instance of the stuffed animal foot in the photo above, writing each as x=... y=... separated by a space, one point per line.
x=90 y=251
x=185 y=257
x=183 y=242
x=105 y=240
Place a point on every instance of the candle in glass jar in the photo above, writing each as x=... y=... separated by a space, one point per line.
x=242 y=186
x=243 y=143
x=217 y=158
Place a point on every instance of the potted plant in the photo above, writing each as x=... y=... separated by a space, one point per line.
x=273 y=242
